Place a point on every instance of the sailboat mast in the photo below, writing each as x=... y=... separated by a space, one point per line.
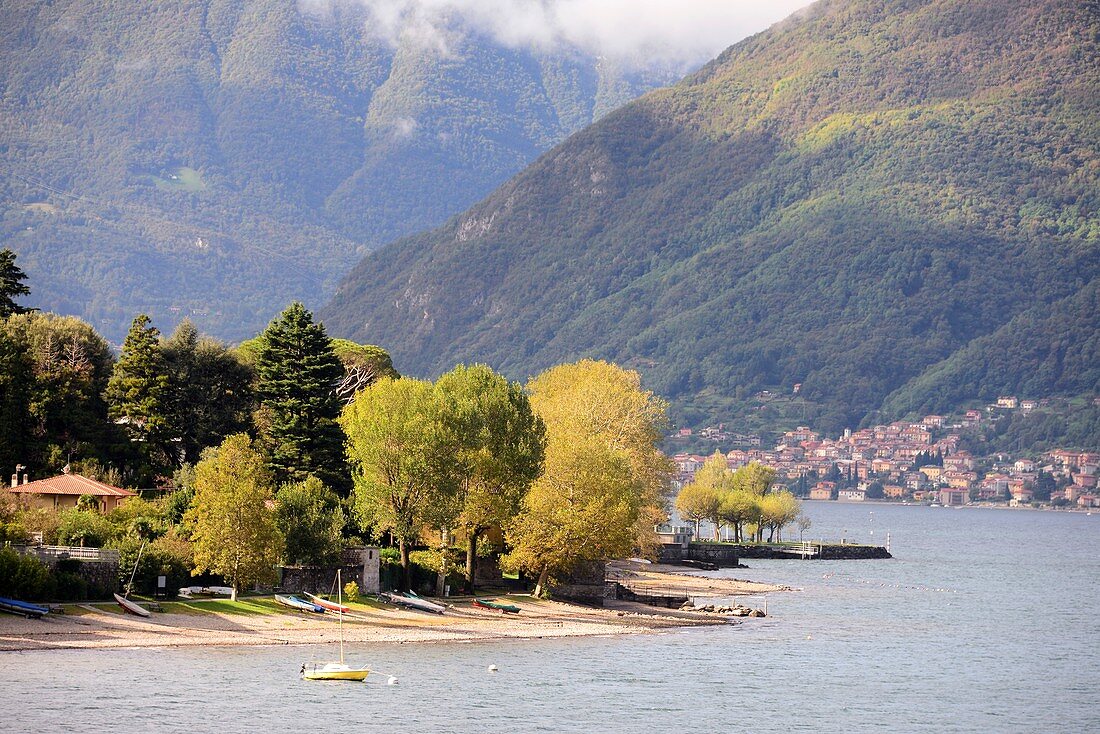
x=340 y=601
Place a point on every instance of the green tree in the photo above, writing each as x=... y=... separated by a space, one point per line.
x=297 y=375
x=495 y=447
x=232 y=527
x=16 y=388
x=11 y=284
x=72 y=366
x=311 y=520
x=696 y=502
x=397 y=462
x=137 y=395
x=363 y=365
x=739 y=509
x=777 y=510
x=600 y=492
x=83 y=527
x=209 y=392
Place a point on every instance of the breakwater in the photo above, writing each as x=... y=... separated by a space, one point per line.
x=729 y=555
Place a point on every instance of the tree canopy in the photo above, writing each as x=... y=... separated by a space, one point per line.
x=603 y=477
x=233 y=528
x=297 y=374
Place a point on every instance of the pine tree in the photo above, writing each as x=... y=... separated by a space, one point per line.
x=11 y=284
x=137 y=395
x=297 y=375
x=210 y=390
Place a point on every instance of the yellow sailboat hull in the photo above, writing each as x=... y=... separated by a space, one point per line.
x=334 y=673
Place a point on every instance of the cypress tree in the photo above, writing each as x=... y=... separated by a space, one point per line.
x=297 y=375
x=137 y=393
x=11 y=284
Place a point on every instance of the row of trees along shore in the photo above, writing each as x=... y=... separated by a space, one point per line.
x=744 y=499
x=293 y=445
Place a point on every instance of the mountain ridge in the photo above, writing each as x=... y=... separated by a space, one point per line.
x=842 y=201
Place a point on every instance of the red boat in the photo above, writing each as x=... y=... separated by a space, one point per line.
x=328 y=606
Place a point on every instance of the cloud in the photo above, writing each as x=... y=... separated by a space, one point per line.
x=630 y=31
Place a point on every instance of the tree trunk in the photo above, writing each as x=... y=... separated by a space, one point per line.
x=696 y=529
x=540 y=587
x=471 y=559
x=441 y=577
x=404 y=548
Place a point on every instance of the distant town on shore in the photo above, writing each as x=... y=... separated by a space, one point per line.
x=923 y=461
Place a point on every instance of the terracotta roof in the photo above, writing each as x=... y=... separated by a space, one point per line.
x=71 y=484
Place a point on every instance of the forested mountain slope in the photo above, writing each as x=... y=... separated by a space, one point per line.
x=220 y=158
x=891 y=202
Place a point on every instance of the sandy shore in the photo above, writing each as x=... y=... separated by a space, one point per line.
x=102 y=626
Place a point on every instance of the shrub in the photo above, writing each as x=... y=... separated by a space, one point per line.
x=351 y=591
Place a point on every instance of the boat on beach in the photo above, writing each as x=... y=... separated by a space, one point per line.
x=413 y=601
x=131 y=607
x=327 y=605
x=190 y=591
x=26 y=609
x=300 y=604
x=495 y=605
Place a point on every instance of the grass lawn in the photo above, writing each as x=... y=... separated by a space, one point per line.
x=182 y=179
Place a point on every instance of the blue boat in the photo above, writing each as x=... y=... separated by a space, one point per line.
x=30 y=611
x=301 y=605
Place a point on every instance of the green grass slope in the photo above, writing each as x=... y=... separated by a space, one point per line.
x=865 y=199
x=219 y=158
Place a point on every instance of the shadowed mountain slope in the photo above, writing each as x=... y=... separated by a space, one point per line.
x=871 y=199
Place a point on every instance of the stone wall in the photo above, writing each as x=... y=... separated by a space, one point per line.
x=361 y=565
x=726 y=555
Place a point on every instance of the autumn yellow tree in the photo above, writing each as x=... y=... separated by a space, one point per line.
x=603 y=477
x=231 y=517
x=702 y=497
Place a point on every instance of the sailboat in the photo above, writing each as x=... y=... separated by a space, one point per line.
x=335 y=670
x=124 y=601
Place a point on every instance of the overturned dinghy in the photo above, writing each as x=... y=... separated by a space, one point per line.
x=415 y=602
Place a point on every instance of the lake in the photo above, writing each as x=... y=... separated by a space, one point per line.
x=985 y=620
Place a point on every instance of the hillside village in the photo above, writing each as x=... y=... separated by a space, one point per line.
x=918 y=461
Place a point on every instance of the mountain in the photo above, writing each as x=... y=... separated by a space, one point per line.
x=220 y=158
x=891 y=202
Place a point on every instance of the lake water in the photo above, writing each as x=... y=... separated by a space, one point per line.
x=985 y=621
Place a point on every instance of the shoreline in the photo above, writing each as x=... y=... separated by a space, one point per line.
x=95 y=626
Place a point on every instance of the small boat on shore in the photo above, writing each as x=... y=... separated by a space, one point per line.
x=300 y=604
x=327 y=605
x=131 y=607
x=26 y=609
x=415 y=602
x=495 y=605
x=191 y=591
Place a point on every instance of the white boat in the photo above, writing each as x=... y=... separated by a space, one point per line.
x=190 y=591
x=338 y=670
x=415 y=602
x=124 y=601
x=131 y=607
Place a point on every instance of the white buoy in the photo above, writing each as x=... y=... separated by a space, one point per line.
x=392 y=681
x=492 y=668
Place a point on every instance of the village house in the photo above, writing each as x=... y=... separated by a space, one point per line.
x=851 y=494
x=1023 y=466
x=954 y=496
x=65 y=490
x=1008 y=402
x=822 y=491
x=932 y=472
x=893 y=492
x=961 y=461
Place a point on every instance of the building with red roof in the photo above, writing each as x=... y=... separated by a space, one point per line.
x=65 y=490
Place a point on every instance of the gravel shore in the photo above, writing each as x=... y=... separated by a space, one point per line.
x=101 y=626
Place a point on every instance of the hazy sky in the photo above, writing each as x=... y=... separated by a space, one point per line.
x=676 y=31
